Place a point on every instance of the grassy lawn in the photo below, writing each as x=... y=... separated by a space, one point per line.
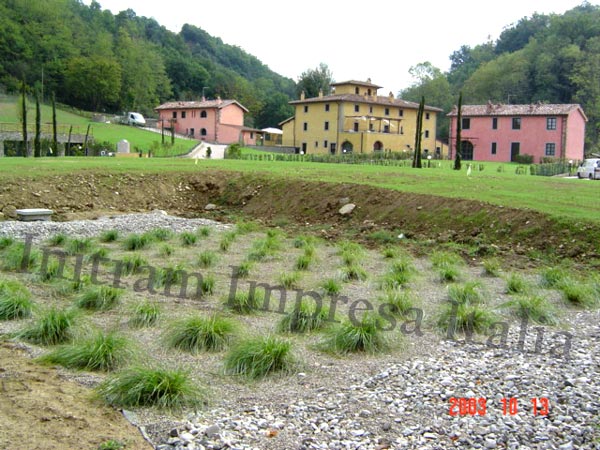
x=102 y=132
x=559 y=197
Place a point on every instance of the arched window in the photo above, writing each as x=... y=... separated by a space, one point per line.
x=467 y=150
x=377 y=146
x=347 y=147
x=203 y=132
x=203 y=114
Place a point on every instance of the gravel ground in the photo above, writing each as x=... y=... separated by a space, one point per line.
x=396 y=401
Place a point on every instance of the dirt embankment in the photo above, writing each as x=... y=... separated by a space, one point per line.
x=312 y=206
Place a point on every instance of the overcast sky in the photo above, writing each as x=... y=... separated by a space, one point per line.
x=380 y=40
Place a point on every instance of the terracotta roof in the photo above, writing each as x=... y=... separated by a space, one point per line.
x=354 y=98
x=358 y=83
x=289 y=119
x=206 y=104
x=534 y=109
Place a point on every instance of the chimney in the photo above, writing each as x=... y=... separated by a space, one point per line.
x=320 y=93
x=219 y=101
x=302 y=95
x=391 y=95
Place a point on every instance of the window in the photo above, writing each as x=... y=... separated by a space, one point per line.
x=355 y=126
x=305 y=108
x=516 y=123
x=401 y=113
x=252 y=135
x=426 y=116
x=203 y=132
x=371 y=127
x=494 y=148
x=551 y=123
x=316 y=144
x=174 y=114
x=356 y=91
x=426 y=134
x=370 y=110
x=386 y=128
x=326 y=125
x=466 y=123
x=401 y=130
x=325 y=143
x=326 y=107
x=305 y=126
x=387 y=111
x=550 y=149
x=356 y=108
x=203 y=114
x=183 y=113
x=192 y=131
x=494 y=123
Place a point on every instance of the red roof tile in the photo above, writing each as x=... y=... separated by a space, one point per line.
x=370 y=100
x=534 y=109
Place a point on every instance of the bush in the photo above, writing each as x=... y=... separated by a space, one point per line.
x=99 y=298
x=15 y=301
x=349 y=337
x=143 y=386
x=234 y=151
x=109 y=236
x=53 y=327
x=101 y=352
x=259 y=357
x=524 y=159
x=195 y=334
x=304 y=318
x=145 y=314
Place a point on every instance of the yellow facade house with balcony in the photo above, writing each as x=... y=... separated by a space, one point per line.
x=354 y=119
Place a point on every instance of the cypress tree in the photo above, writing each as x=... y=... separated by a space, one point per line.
x=417 y=156
x=24 y=119
x=37 y=143
x=54 y=132
x=457 y=156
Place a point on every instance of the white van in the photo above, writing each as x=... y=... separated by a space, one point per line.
x=589 y=168
x=134 y=118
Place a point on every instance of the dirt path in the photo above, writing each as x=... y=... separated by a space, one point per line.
x=41 y=410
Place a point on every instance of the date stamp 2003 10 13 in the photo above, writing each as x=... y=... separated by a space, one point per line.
x=478 y=406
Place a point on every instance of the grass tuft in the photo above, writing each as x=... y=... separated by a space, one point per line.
x=491 y=267
x=132 y=264
x=398 y=301
x=99 y=298
x=259 y=357
x=136 y=242
x=554 y=277
x=533 y=307
x=58 y=239
x=109 y=236
x=353 y=272
x=304 y=318
x=15 y=301
x=143 y=386
x=207 y=259
x=54 y=326
x=516 y=284
x=352 y=336
x=6 y=241
x=207 y=286
x=204 y=231
x=158 y=235
x=198 y=333
x=188 y=238
x=145 y=314
x=79 y=246
x=579 y=293
x=465 y=318
x=331 y=286
x=469 y=292
x=245 y=303
x=226 y=240
x=101 y=352
x=18 y=257
x=243 y=270
x=289 y=280
x=166 y=250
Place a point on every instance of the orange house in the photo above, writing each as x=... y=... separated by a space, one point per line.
x=218 y=121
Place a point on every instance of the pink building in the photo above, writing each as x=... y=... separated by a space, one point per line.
x=501 y=132
x=218 y=121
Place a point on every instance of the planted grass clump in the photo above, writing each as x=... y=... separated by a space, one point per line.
x=353 y=272
x=54 y=326
x=18 y=257
x=145 y=314
x=516 y=284
x=137 y=242
x=331 y=286
x=158 y=235
x=469 y=292
x=199 y=333
x=15 y=301
x=533 y=307
x=447 y=265
x=243 y=227
x=303 y=262
x=166 y=250
x=259 y=357
x=465 y=318
x=58 y=240
x=79 y=246
x=204 y=232
x=145 y=386
x=245 y=302
x=304 y=318
x=390 y=252
x=491 y=267
x=289 y=280
x=303 y=241
x=5 y=242
x=554 y=277
x=364 y=336
x=207 y=259
x=399 y=301
x=207 y=286
x=100 y=352
x=243 y=270
x=578 y=293
x=50 y=271
x=169 y=275
x=131 y=264
x=399 y=274
x=226 y=240
x=188 y=238
x=99 y=298
x=109 y=236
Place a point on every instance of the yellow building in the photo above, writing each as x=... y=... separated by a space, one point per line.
x=355 y=119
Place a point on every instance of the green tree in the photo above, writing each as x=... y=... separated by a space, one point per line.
x=418 y=135
x=587 y=84
x=314 y=80
x=458 y=151
x=26 y=146
x=37 y=146
x=55 y=126
x=94 y=82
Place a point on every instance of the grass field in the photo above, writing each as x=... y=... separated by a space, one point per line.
x=102 y=132
x=558 y=197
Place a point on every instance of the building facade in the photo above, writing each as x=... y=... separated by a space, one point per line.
x=496 y=132
x=218 y=121
x=355 y=119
